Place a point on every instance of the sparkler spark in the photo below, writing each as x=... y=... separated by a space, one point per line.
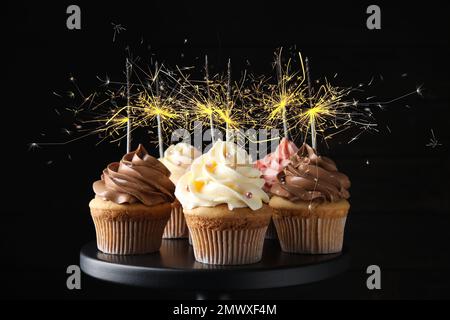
x=278 y=99
x=433 y=141
x=117 y=28
x=211 y=101
x=149 y=107
x=171 y=98
x=332 y=112
x=33 y=146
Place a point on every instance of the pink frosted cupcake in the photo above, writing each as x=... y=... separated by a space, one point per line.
x=270 y=166
x=178 y=159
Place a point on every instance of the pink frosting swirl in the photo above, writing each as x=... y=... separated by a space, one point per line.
x=274 y=162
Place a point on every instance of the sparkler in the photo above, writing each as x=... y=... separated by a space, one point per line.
x=229 y=103
x=332 y=108
x=313 y=111
x=158 y=115
x=151 y=106
x=128 y=72
x=211 y=101
x=109 y=122
x=211 y=120
x=328 y=108
x=227 y=97
x=280 y=80
x=277 y=100
x=195 y=103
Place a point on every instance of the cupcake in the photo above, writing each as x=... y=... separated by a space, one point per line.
x=224 y=206
x=270 y=166
x=274 y=162
x=132 y=204
x=310 y=204
x=178 y=158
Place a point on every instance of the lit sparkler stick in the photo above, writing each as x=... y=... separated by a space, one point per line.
x=128 y=71
x=312 y=116
x=227 y=130
x=329 y=107
x=158 y=115
x=288 y=93
x=211 y=120
x=280 y=80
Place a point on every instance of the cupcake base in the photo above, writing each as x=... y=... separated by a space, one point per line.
x=223 y=237
x=128 y=228
x=228 y=247
x=309 y=228
x=176 y=226
x=311 y=235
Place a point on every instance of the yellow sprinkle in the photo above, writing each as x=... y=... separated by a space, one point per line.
x=211 y=166
x=198 y=185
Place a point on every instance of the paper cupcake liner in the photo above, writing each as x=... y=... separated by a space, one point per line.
x=129 y=236
x=310 y=234
x=271 y=231
x=176 y=226
x=228 y=247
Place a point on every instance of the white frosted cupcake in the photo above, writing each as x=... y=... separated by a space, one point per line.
x=224 y=206
x=178 y=158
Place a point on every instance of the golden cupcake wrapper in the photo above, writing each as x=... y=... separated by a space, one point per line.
x=271 y=231
x=129 y=236
x=310 y=235
x=176 y=226
x=228 y=247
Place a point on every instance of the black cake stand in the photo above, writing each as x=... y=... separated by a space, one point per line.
x=174 y=267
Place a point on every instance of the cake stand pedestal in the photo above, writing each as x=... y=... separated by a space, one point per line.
x=174 y=267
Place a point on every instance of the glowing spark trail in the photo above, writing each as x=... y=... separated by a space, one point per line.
x=229 y=106
x=161 y=99
x=128 y=72
x=33 y=146
x=117 y=29
x=277 y=100
x=211 y=120
x=313 y=110
x=280 y=80
x=433 y=141
x=158 y=115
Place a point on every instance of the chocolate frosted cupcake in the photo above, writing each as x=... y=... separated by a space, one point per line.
x=224 y=206
x=132 y=204
x=178 y=159
x=310 y=204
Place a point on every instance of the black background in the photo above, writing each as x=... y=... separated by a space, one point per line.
x=400 y=209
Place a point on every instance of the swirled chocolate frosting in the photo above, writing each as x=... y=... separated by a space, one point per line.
x=311 y=177
x=137 y=178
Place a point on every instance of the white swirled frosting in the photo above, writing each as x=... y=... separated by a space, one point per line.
x=223 y=175
x=178 y=158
